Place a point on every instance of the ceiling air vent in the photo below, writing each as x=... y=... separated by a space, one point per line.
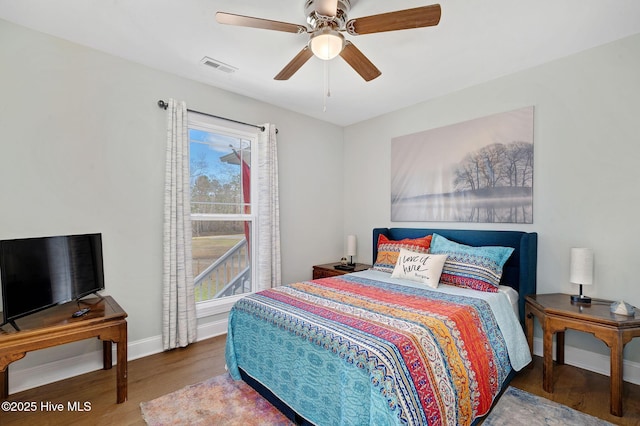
x=220 y=66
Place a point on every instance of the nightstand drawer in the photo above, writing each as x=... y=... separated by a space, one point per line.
x=324 y=273
x=329 y=270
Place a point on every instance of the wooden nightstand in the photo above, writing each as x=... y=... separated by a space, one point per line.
x=557 y=313
x=328 y=270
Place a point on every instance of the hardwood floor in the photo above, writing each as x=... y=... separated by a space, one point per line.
x=149 y=378
x=582 y=390
x=163 y=373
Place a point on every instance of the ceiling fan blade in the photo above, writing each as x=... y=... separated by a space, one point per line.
x=266 y=24
x=327 y=7
x=363 y=66
x=419 y=17
x=300 y=59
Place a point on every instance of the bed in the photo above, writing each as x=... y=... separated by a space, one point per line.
x=374 y=347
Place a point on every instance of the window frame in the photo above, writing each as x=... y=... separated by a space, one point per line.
x=216 y=126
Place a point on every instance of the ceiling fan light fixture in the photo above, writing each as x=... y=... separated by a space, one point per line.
x=326 y=43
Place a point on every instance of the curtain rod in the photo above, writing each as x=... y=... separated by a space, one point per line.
x=162 y=104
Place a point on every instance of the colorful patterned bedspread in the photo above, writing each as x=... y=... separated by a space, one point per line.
x=352 y=350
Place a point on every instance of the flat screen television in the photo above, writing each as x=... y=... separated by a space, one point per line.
x=38 y=273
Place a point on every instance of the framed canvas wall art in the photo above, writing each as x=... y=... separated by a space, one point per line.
x=479 y=170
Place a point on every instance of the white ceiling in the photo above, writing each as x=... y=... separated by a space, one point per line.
x=476 y=41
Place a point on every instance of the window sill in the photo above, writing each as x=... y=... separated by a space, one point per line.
x=216 y=307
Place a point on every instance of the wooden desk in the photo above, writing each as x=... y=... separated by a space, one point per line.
x=557 y=313
x=55 y=326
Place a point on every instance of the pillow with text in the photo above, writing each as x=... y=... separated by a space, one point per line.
x=424 y=268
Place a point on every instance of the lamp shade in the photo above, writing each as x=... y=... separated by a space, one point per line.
x=351 y=245
x=581 y=266
x=326 y=44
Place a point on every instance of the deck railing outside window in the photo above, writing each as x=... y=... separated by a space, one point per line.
x=229 y=275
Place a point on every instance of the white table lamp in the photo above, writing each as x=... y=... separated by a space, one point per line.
x=351 y=247
x=581 y=272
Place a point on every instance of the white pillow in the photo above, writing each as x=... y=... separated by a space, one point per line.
x=420 y=267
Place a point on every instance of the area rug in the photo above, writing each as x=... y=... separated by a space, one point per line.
x=224 y=401
x=217 y=401
x=517 y=407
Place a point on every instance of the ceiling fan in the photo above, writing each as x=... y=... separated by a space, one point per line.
x=326 y=20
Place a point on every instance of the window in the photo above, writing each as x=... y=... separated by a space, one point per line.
x=222 y=216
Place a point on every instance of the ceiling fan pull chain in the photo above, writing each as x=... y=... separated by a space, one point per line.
x=324 y=85
x=326 y=89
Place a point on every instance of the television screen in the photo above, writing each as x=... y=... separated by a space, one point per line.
x=38 y=273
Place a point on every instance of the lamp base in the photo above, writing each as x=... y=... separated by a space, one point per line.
x=580 y=298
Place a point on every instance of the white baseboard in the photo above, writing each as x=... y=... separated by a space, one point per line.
x=592 y=361
x=27 y=378
x=20 y=380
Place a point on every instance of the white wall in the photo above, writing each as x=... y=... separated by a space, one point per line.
x=586 y=172
x=82 y=149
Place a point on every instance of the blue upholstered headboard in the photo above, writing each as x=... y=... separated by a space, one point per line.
x=520 y=270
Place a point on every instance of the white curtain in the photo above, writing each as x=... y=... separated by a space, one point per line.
x=178 y=301
x=269 y=265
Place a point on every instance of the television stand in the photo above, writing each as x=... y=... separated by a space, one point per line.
x=56 y=326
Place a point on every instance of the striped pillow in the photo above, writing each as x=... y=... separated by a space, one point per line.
x=388 y=250
x=478 y=268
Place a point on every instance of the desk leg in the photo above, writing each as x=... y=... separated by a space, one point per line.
x=4 y=383
x=547 y=366
x=121 y=368
x=560 y=347
x=107 y=361
x=616 y=377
